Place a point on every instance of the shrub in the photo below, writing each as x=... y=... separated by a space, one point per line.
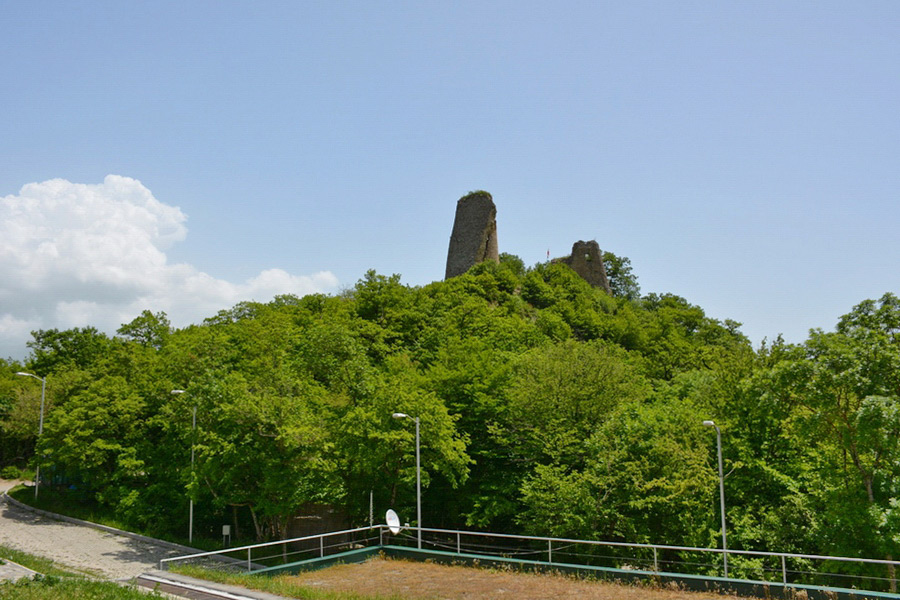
x=10 y=472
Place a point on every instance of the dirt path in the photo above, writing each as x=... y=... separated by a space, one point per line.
x=76 y=546
x=433 y=581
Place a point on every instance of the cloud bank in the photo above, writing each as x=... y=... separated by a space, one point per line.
x=73 y=255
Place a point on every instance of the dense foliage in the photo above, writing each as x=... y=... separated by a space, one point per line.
x=546 y=406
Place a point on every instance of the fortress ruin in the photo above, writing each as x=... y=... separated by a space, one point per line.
x=474 y=240
x=474 y=237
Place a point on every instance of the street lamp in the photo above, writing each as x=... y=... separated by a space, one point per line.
x=399 y=415
x=193 y=436
x=721 y=493
x=37 y=470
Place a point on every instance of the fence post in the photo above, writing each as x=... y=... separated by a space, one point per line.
x=550 y=551
x=321 y=546
x=655 y=560
x=783 y=571
x=457 y=544
x=249 y=569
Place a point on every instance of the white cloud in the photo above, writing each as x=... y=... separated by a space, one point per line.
x=73 y=255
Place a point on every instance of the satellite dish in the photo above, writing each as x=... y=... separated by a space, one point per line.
x=393 y=521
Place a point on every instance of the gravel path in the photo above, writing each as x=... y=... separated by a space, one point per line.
x=78 y=547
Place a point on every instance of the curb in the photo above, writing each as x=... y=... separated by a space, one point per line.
x=57 y=517
x=220 y=590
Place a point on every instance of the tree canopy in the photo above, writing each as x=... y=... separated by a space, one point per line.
x=545 y=406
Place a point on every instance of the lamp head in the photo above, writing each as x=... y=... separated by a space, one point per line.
x=177 y=392
x=399 y=415
x=709 y=423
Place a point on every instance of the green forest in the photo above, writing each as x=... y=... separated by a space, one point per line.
x=547 y=407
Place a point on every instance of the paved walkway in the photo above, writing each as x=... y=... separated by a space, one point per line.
x=77 y=547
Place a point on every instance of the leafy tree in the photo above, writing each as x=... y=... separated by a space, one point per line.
x=514 y=263
x=261 y=449
x=377 y=453
x=19 y=405
x=622 y=280
x=79 y=347
x=647 y=477
x=678 y=337
x=394 y=308
x=148 y=329
x=470 y=377
x=840 y=392
x=560 y=394
x=95 y=439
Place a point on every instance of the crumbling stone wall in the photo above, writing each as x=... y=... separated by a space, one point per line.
x=474 y=236
x=587 y=261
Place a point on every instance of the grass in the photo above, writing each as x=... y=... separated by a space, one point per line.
x=35 y=563
x=381 y=578
x=281 y=585
x=55 y=583
x=53 y=588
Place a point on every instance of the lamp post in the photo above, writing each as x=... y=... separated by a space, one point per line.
x=37 y=470
x=399 y=415
x=190 y=495
x=721 y=493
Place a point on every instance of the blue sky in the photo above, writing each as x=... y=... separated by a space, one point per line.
x=743 y=155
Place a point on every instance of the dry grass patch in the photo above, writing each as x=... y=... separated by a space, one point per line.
x=416 y=580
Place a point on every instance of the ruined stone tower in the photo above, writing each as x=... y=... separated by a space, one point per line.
x=474 y=237
x=587 y=261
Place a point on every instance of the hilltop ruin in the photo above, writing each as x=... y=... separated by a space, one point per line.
x=474 y=237
x=587 y=260
x=474 y=240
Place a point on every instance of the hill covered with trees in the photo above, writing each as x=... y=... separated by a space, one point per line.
x=547 y=406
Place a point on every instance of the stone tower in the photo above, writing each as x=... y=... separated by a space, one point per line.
x=474 y=237
x=587 y=261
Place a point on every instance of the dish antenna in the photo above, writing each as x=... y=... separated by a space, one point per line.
x=393 y=521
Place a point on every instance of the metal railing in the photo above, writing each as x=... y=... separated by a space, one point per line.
x=257 y=557
x=754 y=566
